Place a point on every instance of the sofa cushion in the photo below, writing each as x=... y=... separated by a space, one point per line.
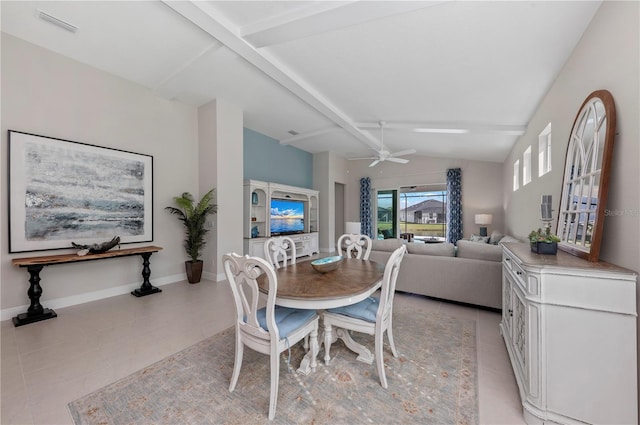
x=479 y=251
x=388 y=245
x=441 y=249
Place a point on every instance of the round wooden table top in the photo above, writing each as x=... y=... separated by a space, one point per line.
x=300 y=286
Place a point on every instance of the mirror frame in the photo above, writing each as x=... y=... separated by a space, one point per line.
x=591 y=252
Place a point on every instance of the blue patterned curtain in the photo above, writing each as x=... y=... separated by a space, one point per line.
x=366 y=226
x=454 y=205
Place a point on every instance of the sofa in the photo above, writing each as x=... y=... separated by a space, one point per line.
x=470 y=272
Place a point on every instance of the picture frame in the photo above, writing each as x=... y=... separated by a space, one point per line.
x=61 y=191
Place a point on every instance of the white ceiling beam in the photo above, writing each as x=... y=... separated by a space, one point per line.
x=322 y=17
x=165 y=90
x=421 y=127
x=203 y=16
x=448 y=127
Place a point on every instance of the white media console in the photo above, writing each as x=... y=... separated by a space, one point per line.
x=257 y=216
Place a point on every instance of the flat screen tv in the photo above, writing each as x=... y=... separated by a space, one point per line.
x=287 y=217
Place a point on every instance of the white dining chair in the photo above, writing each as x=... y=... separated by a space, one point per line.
x=372 y=315
x=268 y=330
x=280 y=250
x=354 y=246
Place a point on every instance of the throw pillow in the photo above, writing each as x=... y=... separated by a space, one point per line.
x=478 y=238
x=495 y=237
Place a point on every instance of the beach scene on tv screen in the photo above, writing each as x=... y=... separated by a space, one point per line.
x=287 y=216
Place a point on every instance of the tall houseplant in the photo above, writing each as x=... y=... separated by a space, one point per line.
x=194 y=217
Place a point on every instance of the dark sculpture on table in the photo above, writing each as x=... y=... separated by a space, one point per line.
x=97 y=248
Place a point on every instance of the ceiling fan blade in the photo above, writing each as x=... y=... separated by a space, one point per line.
x=374 y=163
x=405 y=152
x=398 y=160
x=364 y=157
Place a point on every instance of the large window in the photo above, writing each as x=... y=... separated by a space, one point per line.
x=419 y=210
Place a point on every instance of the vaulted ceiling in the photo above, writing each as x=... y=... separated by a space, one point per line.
x=448 y=78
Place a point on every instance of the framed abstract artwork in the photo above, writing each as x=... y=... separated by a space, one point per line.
x=62 y=191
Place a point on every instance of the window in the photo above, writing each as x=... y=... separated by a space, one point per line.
x=386 y=222
x=544 y=151
x=526 y=167
x=516 y=175
x=420 y=210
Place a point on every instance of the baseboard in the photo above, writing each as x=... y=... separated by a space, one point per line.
x=8 y=313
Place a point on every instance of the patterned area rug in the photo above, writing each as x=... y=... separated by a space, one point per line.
x=434 y=381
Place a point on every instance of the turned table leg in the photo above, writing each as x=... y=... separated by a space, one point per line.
x=146 y=288
x=35 y=312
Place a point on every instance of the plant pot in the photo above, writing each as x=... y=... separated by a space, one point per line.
x=194 y=270
x=549 y=248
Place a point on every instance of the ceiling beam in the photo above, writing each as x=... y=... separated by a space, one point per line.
x=202 y=15
x=321 y=17
x=421 y=127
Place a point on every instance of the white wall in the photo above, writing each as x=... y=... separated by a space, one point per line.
x=481 y=185
x=46 y=94
x=607 y=57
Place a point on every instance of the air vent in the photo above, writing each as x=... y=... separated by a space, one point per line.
x=293 y=132
x=57 y=21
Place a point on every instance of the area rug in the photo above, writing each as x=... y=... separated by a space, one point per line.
x=434 y=381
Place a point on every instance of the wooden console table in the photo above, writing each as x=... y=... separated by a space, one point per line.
x=36 y=312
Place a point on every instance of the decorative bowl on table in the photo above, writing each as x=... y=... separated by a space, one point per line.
x=327 y=264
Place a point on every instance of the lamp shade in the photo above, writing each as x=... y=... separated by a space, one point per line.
x=352 y=227
x=484 y=218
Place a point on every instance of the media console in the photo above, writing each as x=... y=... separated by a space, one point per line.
x=257 y=216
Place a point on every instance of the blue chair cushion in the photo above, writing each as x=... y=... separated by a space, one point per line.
x=287 y=319
x=364 y=310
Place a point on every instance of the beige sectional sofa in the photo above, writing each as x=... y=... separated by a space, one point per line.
x=471 y=274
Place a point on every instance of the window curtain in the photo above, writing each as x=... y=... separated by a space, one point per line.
x=366 y=226
x=454 y=205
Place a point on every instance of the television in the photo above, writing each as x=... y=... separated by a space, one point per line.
x=287 y=217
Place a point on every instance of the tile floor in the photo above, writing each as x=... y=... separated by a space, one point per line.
x=45 y=365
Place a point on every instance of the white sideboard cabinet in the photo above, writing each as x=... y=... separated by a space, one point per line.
x=569 y=326
x=257 y=216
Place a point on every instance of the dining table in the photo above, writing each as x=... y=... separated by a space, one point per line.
x=301 y=286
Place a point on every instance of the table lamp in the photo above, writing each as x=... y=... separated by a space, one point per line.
x=352 y=227
x=483 y=220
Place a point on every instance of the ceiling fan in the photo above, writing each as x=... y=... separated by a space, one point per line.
x=385 y=155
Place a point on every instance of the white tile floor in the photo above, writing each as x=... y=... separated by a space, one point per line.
x=45 y=365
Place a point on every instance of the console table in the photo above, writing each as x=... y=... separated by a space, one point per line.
x=570 y=330
x=36 y=312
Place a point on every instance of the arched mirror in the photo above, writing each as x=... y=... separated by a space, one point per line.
x=586 y=177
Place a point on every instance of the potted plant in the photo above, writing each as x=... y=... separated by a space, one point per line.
x=543 y=241
x=194 y=217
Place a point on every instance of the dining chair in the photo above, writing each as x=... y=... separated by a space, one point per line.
x=276 y=248
x=372 y=315
x=269 y=330
x=354 y=246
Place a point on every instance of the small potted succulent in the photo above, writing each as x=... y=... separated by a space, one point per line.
x=543 y=241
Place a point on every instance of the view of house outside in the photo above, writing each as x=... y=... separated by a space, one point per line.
x=421 y=213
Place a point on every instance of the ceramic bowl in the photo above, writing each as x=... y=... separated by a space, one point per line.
x=327 y=264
